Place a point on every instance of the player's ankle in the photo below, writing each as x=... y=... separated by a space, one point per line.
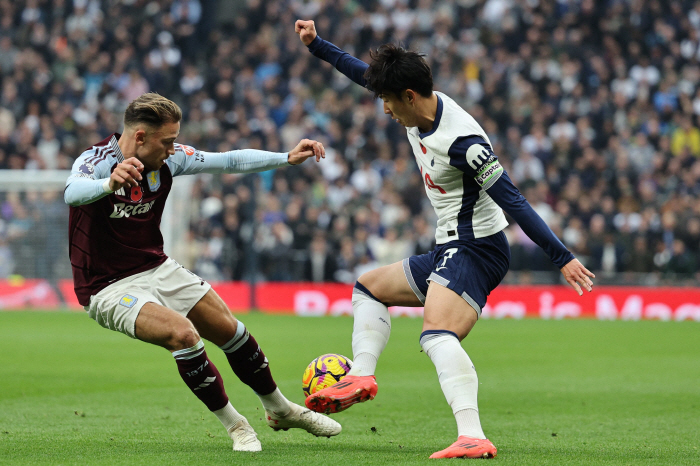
x=364 y=364
x=228 y=416
x=276 y=403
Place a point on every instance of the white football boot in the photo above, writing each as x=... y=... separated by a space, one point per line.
x=244 y=438
x=302 y=418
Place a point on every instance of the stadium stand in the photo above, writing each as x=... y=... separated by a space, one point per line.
x=592 y=106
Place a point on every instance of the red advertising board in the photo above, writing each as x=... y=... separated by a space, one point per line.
x=604 y=303
x=507 y=301
x=235 y=294
x=307 y=299
x=546 y=302
x=20 y=294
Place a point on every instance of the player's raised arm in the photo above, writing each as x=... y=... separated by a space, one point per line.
x=350 y=66
x=187 y=160
x=473 y=155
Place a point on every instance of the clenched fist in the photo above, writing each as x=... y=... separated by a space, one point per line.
x=127 y=173
x=306 y=31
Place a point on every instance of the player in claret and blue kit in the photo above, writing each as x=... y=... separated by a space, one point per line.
x=117 y=190
x=469 y=189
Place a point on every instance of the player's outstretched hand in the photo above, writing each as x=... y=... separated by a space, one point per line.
x=305 y=149
x=577 y=275
x=306 y=31
x=127 y=173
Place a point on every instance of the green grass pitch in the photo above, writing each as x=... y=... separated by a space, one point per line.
x=551 y=392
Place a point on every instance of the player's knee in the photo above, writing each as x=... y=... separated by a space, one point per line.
x=457 y=328
x=430 y=323
x=360 y=290
x=183 y=336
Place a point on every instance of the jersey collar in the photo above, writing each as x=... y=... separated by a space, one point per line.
x=436 y=123
x=114 y=145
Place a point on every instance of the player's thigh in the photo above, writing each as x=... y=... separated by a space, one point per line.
x=390 y=286
x=463 y=275
x=213 y=319
x=176 y=287
x=446 y=310
x=135 y=311
x=164 y=327
x=117 y=306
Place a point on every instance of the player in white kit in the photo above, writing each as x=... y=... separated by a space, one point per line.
x=469 y=189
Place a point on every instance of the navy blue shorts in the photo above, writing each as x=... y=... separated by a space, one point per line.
x=470 y=268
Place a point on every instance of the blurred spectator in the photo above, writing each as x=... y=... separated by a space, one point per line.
x=321 y=265
x=593 y=107
x=685 y=140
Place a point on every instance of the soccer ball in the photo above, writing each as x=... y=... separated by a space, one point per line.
x=324 y=371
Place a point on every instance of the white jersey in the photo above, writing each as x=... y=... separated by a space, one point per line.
x=458 y=166
x=463 y=178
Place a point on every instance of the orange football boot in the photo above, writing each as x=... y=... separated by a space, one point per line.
x=466 y=447
x=340 y=396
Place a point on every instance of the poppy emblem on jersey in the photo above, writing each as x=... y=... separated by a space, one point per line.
x=422 y=147
x=153 y=180
x=128 y=300
x=186 y=149
x=87 y=168
x=136 y=193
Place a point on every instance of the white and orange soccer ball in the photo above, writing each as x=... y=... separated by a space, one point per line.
x=324 y=371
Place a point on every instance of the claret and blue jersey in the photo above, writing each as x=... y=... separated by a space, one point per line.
x=116 y=235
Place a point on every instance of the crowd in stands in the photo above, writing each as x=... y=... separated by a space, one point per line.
x=592 y=106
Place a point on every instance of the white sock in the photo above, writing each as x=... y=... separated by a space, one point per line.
x=228 y=416
x=457 y=378
x=370 y=332
x=276 y=402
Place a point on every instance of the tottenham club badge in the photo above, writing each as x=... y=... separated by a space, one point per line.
x=153 y=180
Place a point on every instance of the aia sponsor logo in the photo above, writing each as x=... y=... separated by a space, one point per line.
x=429 y=182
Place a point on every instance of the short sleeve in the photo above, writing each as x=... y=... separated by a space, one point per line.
x=474 y=156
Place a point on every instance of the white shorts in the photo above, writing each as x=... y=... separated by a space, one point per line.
x=170 y=284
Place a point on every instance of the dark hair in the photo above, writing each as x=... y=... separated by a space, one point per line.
x=152 y=110
x=394 y=69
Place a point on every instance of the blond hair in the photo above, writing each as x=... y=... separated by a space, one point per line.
x=152 y=110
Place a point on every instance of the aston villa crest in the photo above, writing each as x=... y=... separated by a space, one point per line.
x=153 y=180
